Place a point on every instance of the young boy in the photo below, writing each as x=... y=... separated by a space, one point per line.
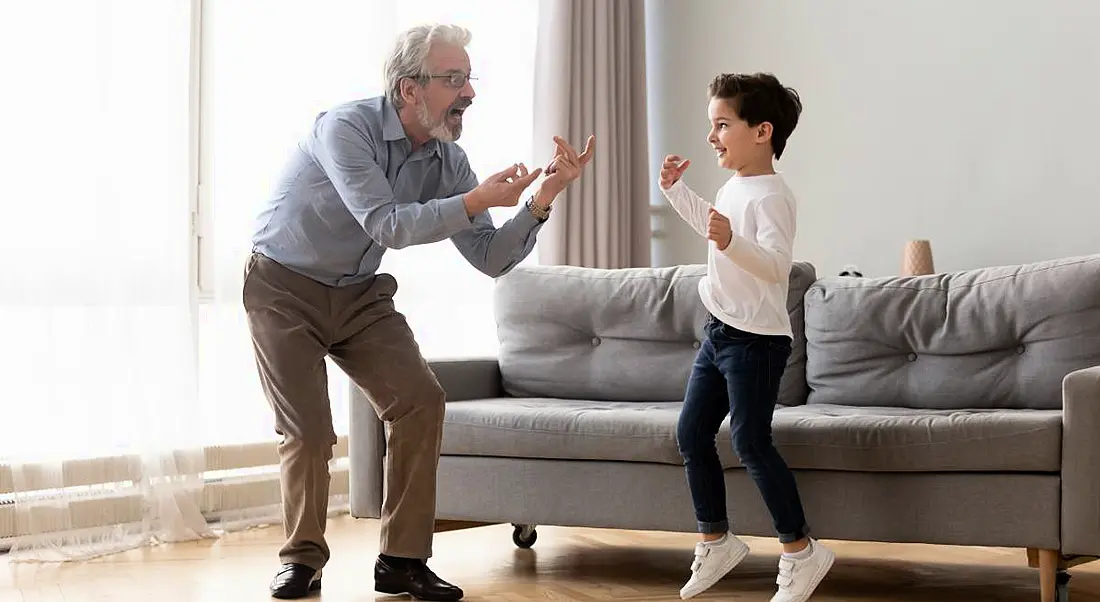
x=751 y=229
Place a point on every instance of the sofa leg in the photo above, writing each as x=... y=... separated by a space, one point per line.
x=1053 y=578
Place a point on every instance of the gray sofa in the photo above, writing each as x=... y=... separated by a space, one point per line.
x=959 y=408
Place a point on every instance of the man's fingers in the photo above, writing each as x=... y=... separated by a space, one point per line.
x=566 y=149
x=503 y=174
x=525 y=181
x=589 y=148
x=683 y=165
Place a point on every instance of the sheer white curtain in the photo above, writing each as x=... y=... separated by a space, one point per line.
x=129 y=394
x=264 y=95
x=99 y=433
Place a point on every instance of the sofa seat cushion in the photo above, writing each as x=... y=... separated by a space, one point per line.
x=891 y=439
x=821 y=437
x=563 y=429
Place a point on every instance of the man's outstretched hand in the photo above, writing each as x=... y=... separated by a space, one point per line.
x=564 y=168
x=501 y=189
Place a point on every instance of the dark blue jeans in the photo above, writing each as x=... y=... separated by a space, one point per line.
x=737 y=373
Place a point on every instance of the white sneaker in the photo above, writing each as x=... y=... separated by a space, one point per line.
x=799 y=577
x=712 y=561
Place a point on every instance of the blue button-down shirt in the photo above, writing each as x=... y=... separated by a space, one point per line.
x=354 y=188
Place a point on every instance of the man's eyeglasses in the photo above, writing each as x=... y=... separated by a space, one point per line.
x=454 y=79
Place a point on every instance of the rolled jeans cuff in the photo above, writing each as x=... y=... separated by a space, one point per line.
x=799 y=535
x=722 y=526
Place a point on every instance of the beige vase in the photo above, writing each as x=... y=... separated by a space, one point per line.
x=917 y=260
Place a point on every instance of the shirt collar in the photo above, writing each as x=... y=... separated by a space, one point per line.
x=392 y=130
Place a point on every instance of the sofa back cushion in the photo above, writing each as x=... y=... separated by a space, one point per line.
x=998 y=337
x=615 y=335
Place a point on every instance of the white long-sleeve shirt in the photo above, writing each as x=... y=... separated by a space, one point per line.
x=747 y=282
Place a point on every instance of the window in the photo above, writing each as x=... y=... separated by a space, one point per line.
x=146 y=137
x=95 y=252
x=261 y=98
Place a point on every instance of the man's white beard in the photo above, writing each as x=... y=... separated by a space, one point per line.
x=437 y=128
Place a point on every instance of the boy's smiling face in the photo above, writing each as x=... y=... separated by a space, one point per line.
x=737 y=144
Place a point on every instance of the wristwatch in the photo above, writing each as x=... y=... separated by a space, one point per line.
x=540 y=214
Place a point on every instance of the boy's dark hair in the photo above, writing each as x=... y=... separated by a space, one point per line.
x=760 y=97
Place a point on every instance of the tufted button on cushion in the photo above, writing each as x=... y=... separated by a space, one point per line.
x=595 y=341
x=695 y=344
x=1020 y=350
x=912 y=357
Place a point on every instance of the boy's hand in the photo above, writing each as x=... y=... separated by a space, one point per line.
x=672 y=170
x=718 y=229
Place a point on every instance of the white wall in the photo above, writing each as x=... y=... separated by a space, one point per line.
x=975 y=124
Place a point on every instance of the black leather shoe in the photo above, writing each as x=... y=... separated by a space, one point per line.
x=413 y=577
x=295 y=581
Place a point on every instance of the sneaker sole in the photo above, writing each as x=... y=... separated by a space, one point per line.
x=733 y=562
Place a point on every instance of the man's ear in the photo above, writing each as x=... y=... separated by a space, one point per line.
x=409 y=90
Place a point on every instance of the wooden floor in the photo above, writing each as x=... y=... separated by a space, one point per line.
x=565 y=564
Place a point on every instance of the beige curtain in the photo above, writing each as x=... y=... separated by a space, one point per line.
x=590 y=79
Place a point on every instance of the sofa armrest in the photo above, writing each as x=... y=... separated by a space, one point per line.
x=461 y=380
x=1081 y=462
x=366 y=449
x=466 y=379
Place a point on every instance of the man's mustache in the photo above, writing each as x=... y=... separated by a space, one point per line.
x=461 y=103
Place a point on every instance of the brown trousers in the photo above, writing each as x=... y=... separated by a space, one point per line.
x=295 y=323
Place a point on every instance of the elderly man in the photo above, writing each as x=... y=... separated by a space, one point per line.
x=371 y=175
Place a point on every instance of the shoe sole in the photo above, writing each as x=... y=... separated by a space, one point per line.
x=314 y=587
x=818 y=577
x=395 y=590
x=733 y=562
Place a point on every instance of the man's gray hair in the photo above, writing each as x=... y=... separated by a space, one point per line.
x=410 y=55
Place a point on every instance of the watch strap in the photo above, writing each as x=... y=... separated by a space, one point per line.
x=539 y=213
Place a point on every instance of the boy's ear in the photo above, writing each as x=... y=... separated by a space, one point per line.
x=764 y=132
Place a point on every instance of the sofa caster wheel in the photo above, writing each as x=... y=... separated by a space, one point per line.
x=524 y=536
